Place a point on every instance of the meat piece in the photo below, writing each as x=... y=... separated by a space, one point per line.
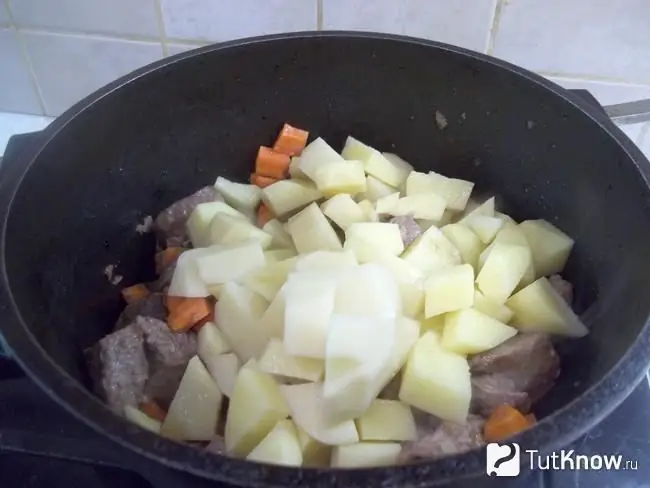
x=448 y=438
x=119 y=368
x=150 y=306
x=526 y=363
x=563 y=287
x=408 y=227
x=170 y=223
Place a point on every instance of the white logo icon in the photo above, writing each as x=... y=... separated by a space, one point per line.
x=502 y=459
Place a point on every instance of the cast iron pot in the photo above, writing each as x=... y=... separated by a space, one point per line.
x=129 y=150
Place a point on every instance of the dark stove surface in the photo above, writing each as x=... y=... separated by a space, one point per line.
x=42 y=446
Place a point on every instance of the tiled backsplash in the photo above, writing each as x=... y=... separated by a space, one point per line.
x=54 y=52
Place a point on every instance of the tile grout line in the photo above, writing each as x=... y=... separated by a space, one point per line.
x=160 y=20
x=319 y=15
x=27 y=60
x=494 y=27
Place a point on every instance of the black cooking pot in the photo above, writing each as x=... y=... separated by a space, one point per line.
x=70 y=208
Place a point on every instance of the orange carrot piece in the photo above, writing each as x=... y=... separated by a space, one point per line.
x=262 y=181
x=291 y=140
x=188 y=313
x=167 y=256
x=153 y=410
x=272 y=164
x=504 y=422
x=531 y=418
x=172 y=303
x=132 y=294
x=264 y=214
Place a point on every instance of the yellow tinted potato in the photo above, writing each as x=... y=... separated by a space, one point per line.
x=449 y=289
x=467 y=242
x=550 y=246
x=365 y=454
x=277 y=362
x=387 y=420
x=471 y=332
x=311 y=231
x=280 y=446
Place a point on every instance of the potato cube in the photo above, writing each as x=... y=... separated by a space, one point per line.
x=268 y=280
x=510 y=233
x=294 y=169
x=409 y=282
x=311 y=231
x=485 y=227
x=326 y=260
x=340 y=177
x=278 y=363
x=426 y=206
x=467 y=242
x=369 y=211
x=538 y=307
x=431 y=251
x=437 y=381
x=493 y=309
x=386 y=205
x=224 y=369
x=277 y=255
x=376 y=189
x=286 y=196
x=272 y=321
x=186 y=281
x=435 y=324
x=198 y=224
x=141 y=419
x=550 y=247
x=230 y=230
x=404 y=166
x=194 y=411
x=314 y=453
x=366 y=454
x=230 y=263
x=389 y=171
x=449 y=289
x=387 y=420
x=211 y=342
x=317 y=154
x=407 y=332
x=280 y=446
x=280 y=238
x=502 y=271
x=471 y=332
x=368 y=290
x=368 y=240
x=418 y=184
x=244 y=197
x=355 y=150
x=455 y=192
x=343 y=210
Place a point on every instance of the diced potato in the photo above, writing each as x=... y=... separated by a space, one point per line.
x=316 y=154
x=550 y=246
x=280 y=446
x=211 y=342
x=426 y=224
x=314 y=453
x=326 y=260
x=538 y=307
x=486 y=209
x=400 y=163
x=406 y=335
x=223 y=370
x=309 y=303
x=311 y=231
x=454 y=191
x=198 y=224
x=369 y=211
x=355 y=150
x=285 y=196
x=340 y=177
x=418 y=183
x=435 y=324
x=431 y=251
x=448 y=217
x=409 y=282
x=449 y=289
x=237 y=315
x=277 y=362
x=306 y=406
x=502 y=271
x=506 y=218
x=294 y=169
x=272 y=322
x=229 y=230
x=426 y=206
x=256 y=405
x=280 y=238
x=390 y=171
x=242 y=196
x=467 y=242
x=186 y=281
x=386 y=205
x=343 y=210
x=375 y=189
x=366 y=454
x=437 y=381
x=368 y=240
x=277 y=255
x=141 y=419
x=387 y=420
x=230 y=263
x=194 y=411
x=267 y=280
x=510 y=234
x=485 y=227
x=368 y=290
x=491 y=308
x=471 y=332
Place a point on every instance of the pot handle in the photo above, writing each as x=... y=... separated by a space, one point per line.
x=629 y=113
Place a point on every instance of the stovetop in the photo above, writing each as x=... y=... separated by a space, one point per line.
x=42 y=445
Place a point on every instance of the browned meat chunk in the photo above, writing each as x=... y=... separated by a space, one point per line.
x=563 y=287
x=119 y=368
x=151 y=306
x=170 y=223
x=446 y=439
x=526 y=364
x=408 y=227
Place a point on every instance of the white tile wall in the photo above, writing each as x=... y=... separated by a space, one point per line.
x=69 y=67
x=4 y=17
x=17 y=91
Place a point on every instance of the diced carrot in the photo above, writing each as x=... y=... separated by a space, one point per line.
x=188 y=313
x=153 y=410
x=272 y=164
x=262 y=181
x=264 y=214
x=172 y=303
x=504 y=422
x=166 y=257
x=291 y=140
x=132 y=294
x=531 y=418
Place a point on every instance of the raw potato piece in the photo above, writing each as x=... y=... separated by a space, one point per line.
x=471 y=332
x=268 y=280
x=194 y=411
x=211 y=342
x=538 y=307
x=343 y=211
x=224 y=370
x=437 y=381
x=255 y=407
x=241 y=196
x=485 y=209
x=280 y=238
x=449 y=289
x=485 y=227
x=431 y=251
x=311 y=231
x=230 y=263
x=455 y=192
x=186 y=281
x=387 y=420
x=272 y=322
x=368 y=290
x=229 y=230
x=276 y=255
x=425 y=206
x=503 y=270
x=406 y=335
x=314 y=453
x=409 y=282
x=366 y=454
x=493 y=309
x=391 y=171
x=277 y=362
x=467 y=242
x=376 y=189
x=141 y=419
x=340 y=177
x=317 y=154
x=198 y=224
x=285 y=196
x=510 y=233
x=550 y=247
x=370 y=240
x=386 y=204
x=281 y=446
x=294 y=169
x=369 y=211
x=306 y=405
x=237 y=315
x=326 y=261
